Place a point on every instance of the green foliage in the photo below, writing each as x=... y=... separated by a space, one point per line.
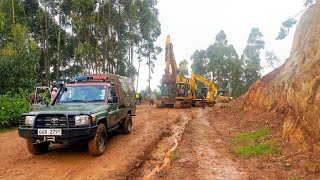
x=257 y=149
x=253 y=144
x=36 y=44
x=248 y=136
x=175 y=155
x=272 y=59
x=146 y=92
x=183 y=68
x=12 y=105
x=284 y=29
x=19 y=61
x=221 y=64
x=292 y=21
x=4 y=130
x=251 y=57
x=199 y=62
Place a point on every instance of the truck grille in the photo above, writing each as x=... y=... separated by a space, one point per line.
x=52 y=121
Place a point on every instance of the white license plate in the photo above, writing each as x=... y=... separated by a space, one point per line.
x=49 y=132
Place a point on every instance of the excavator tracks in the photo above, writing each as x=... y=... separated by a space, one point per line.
x=182 y=104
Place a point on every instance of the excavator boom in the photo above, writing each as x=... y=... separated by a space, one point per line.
x=169 y=78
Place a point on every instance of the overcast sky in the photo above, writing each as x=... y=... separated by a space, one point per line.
x=193 y=25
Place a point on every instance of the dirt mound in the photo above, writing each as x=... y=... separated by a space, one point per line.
x=293 y=89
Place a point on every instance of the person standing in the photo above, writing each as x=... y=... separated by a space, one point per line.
x=137 y=97
x=152 y=99
x=203 y=98
x=140 y=98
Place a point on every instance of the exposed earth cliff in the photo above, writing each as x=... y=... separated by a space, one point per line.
x=293 y=89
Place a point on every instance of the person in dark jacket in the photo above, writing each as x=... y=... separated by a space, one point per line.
x=203 y=98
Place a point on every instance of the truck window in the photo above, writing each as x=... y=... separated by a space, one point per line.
x=112 y=95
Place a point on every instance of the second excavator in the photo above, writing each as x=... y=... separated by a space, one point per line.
x=208 y=90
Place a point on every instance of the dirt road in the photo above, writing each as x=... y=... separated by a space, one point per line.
x=165 y=144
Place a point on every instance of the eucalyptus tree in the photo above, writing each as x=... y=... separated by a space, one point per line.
x=272 y=59
x=251 y=57
x=222 y=59
x=183 y=68
x=199 y=62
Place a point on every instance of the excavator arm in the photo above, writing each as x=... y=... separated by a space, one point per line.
x=169 y=78
x=206 y=82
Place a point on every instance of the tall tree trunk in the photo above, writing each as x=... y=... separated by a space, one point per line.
x=47 y=64
x=97 y=41
x=138 y=73
x=149 y=79
x=13 y=16
x=104 y=51
x=59 y=46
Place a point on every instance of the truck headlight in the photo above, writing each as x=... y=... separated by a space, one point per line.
x=29 y=120
x=82 y=120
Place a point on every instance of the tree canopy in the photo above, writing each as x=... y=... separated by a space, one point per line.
x=221 y=64
x=44 y=40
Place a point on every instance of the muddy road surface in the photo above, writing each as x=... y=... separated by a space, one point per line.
x=164 y=144
x=122 y=159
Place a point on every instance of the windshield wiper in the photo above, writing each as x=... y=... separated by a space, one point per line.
x=74 y=100
x=96 y=100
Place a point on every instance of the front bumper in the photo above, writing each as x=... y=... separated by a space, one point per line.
x=68 y=134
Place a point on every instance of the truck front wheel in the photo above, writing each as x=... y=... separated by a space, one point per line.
x=126 y=125
x=97 y=145
x=37 y=148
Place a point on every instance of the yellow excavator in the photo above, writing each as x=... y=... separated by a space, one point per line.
x=187 y=90
x=176 y=92
x=208 y=90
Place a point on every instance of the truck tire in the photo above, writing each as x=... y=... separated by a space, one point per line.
x=126 y=125
x=37 y=148
x=97 y=144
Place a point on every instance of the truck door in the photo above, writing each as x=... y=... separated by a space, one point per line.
x=114 y=109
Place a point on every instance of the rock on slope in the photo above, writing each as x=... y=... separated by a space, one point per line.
x=293 y=89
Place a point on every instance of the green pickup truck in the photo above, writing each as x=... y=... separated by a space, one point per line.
x=83 y=110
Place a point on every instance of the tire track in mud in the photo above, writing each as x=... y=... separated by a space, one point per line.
x=202 y=152
x=157 y=157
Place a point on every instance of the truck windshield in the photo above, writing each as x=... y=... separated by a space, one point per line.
x=88 y=93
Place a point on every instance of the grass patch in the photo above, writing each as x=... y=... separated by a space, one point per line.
x=7 y=129
x=175 y=155
x=248 y=136
x=255 y=144
x=257 y=149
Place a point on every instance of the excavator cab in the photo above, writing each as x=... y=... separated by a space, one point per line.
x=203 y=90
x=182 y=89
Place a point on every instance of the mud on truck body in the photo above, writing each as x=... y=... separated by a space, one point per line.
x=85 y=110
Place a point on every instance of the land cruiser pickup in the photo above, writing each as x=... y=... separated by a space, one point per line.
x=84 y=110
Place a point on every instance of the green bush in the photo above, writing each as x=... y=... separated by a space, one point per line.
x=12 y=105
